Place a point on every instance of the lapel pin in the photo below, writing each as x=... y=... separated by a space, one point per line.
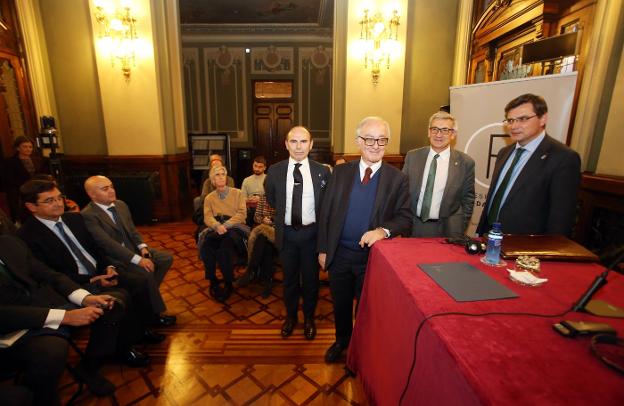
x=543 y=156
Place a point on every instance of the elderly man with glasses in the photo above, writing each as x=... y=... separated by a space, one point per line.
x=536 y=179
x=441 y=182
x=366 y=201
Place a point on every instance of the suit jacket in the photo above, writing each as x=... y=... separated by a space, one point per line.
x=275 y=189
x=49 y=249
x=391 y=209
x=459 y=192
x=543 y=198
x=34 y=288
x=108 y=236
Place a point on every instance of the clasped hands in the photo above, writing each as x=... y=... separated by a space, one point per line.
x=94 y=306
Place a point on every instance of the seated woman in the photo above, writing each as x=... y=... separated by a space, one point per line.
x=261 y=247
x=224 y=217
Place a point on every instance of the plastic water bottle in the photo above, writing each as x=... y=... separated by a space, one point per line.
x=494 y=242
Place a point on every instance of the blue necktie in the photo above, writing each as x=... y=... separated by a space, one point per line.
x=75 y=249
x=497 y=201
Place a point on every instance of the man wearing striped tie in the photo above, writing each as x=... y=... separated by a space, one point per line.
x=366 y=201
x=441 y=182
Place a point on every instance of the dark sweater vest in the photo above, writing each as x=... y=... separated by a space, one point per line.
x=359 y=212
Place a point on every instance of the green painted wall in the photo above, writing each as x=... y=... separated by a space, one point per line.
x=431 y=28
x=69 y=40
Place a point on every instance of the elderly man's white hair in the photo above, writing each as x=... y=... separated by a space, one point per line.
x=370 y=119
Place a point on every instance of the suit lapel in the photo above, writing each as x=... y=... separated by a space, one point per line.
x=383 y=184
x=532 y=168
x=452 y=178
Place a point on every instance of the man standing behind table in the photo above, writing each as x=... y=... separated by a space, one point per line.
x=295 y=187
x=110 y=223
x=536 y=179
x=366 y=201
x=441 y=182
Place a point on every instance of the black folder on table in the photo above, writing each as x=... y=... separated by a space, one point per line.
x=465 y=283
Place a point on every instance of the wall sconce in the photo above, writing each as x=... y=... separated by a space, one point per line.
x=117 y=26
x=379 y=41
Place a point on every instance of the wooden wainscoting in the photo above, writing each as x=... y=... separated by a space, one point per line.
x=169 y=175
x=600 y=225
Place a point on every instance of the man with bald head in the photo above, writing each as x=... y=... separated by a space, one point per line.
x=110 y=223
x=295 y=187
x=367 y=201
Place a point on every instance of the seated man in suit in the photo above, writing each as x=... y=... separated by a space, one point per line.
x=441 y=182
x=62 y=241
x=110 y=223
x=366 y=201
x=42 y=302
x=536 y=179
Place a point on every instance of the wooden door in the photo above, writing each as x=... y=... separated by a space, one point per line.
x=272 y=121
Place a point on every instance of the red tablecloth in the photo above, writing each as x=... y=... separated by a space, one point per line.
x=463 y=360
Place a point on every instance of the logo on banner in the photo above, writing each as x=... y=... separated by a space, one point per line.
x=483 y=145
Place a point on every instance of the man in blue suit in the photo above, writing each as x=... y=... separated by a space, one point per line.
x=536 y=179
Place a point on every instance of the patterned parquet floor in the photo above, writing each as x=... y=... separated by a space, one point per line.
x=226 y=354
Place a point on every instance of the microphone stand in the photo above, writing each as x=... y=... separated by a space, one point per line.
x=599 y=307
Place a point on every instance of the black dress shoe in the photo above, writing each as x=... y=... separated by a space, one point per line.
x=267 y=287
x=309 y=329
x=334 y=352
x=97 y=384
x=152 y=337
x=288 y=327
x=165 y=321
x=134 y=358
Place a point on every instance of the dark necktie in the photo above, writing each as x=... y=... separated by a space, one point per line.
x=75 y=249
x=297 y=195
x=367 y=175
x=497 y=201
x=120 y=226
x=428 y=195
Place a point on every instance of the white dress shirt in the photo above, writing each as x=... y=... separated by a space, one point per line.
x=308 y=214
x=439 y=185
x=374 y=167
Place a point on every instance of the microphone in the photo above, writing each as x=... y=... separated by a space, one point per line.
x=598 y=283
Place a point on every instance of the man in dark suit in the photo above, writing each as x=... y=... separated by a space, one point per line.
x=110 y=223
x=42 y=302
x=294 y=187
x=536 y=179
x=441 y=182
x=62 y=241
x=366 y=201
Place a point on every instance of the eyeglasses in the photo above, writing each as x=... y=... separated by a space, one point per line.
x=444 y=131
x=369 y=142
x=50 y=200
x=521 y=119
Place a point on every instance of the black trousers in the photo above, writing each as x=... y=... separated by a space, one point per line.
x=41 y=360
x=262 y=258
x=346 y=278
x=301 y=270
x=162 y=262
x=221 y=249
